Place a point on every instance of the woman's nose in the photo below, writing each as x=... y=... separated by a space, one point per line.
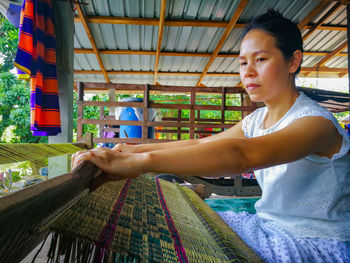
x=249 y=70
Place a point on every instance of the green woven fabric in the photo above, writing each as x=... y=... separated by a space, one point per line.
x=145 y=220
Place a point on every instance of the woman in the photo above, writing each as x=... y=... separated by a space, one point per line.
x=296 y=147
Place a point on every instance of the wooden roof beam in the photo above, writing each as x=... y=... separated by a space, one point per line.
x=331 y=55
x=184 y=54
x=233 y=21
x=314 y=12
x=180 y=22
x=221 y=74
x=316 y=26
x=160 y=37
x=92 y=41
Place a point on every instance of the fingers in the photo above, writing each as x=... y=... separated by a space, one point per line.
x=88 y=155
x=120 y=147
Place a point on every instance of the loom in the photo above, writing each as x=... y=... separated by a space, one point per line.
x=133 y=220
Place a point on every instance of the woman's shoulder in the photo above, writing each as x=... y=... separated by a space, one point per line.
x=253 y=120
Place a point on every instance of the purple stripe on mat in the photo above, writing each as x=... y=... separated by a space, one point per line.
x=108 y=231
x=181 y=254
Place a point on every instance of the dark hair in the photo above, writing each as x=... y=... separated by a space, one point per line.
x=287 y=34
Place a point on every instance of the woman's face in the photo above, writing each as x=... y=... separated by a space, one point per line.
x=264 y=71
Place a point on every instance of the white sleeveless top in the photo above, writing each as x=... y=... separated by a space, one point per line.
x=309 y=197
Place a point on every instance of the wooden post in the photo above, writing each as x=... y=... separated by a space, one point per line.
x=245 y=101
x=145 y=114
x=64 y=29
x=80 y=111
x=179 y=113
x=223 y=106
x=101 y=126
x=192 y=113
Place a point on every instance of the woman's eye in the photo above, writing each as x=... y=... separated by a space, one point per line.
x=260 y=59
x=243 y=63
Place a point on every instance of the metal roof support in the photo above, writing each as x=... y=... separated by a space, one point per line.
x=230 y=26
x=160 y=37
x=91 y=38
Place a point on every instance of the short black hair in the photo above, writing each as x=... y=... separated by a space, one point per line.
x=287 y=34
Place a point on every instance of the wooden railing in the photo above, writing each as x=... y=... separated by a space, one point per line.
x=194 y=125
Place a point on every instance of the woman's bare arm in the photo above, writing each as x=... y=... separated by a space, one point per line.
x=233 y=132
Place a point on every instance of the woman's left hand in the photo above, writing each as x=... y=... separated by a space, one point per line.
x=116 y=165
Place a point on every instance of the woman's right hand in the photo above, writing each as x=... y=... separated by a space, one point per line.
x=123 y=147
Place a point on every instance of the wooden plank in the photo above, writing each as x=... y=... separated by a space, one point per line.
x=192 y=113
x=160 y=37
x=111 y=122
x=322 y=69
x=145 y=113
x=113 y=104
x=79 y=123
x=197 y=120
x=91 y=38
x=230 y=26
x=129 y=140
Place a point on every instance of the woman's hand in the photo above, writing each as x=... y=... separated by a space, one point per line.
x=116 y=165
x=123 y=147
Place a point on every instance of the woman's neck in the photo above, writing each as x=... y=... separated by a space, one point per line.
x=279 y=106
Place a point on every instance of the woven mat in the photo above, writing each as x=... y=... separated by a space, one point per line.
x=144 y=220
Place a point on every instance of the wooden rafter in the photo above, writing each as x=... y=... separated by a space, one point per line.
x=92 y=41
x=217 y=74
x=314 y=12
x=160 y=37
x=330 y=56
x=184 y=54
x=233 y=21
x=315 y=27
x=181 y=22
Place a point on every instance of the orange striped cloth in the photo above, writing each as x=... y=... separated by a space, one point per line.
x=36 y=56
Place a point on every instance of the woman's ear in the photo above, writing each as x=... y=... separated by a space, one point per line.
x=295 y=61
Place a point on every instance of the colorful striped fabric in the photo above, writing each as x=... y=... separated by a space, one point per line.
x=36 y=56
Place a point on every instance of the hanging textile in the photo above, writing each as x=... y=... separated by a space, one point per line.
x=36 y=56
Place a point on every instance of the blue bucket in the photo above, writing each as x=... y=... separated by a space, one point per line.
x=129 y=114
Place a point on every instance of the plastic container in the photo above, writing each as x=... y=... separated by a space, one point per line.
x=233 y=204
x=133 y=114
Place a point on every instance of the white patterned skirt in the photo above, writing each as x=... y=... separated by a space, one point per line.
x=273 y=244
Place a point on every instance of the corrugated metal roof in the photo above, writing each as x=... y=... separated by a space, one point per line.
x=188 y=38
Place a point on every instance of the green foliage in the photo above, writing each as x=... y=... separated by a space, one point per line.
x=8 y=44
x=15 y=108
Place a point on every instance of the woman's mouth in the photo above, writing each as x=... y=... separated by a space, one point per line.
x=251 y=87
